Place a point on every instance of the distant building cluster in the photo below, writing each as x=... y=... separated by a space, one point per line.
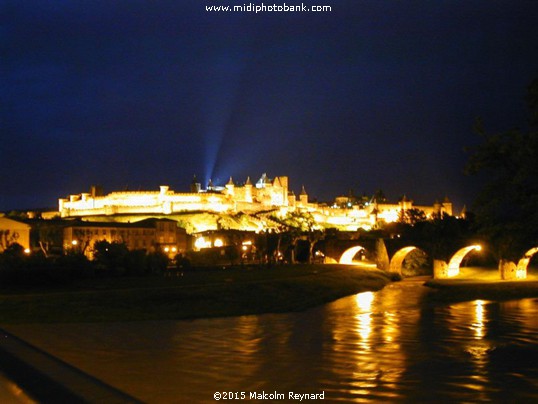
x=58 y=236
x=176 y=222
x=347 y=212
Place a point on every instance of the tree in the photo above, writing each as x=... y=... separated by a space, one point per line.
x=412 y=216
x=379 y=196
x=507 y=207
x=110 y=256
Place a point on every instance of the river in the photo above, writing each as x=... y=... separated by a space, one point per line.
x=390 y=346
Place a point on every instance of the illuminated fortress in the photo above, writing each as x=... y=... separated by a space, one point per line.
x=266 y=194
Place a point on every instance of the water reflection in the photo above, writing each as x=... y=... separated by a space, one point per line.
x=478 y=325
x=391 y=345
x=364 y=318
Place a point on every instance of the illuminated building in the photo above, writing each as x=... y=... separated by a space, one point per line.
x=151 y=235
x=348 y=214
x=14 y=232
x=266 y=194
x=248 y=197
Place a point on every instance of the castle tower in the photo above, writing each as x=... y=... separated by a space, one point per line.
x=405 y=203
x=303 y=197
x=230 y=187
x=437 y=209
x=279 y=191
x=163 y=189
x=292 y=200
x=195 y=185
x=447 y=206
x=96 y=190
x=248 y=190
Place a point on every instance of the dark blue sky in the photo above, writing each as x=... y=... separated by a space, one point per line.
x=375 y=94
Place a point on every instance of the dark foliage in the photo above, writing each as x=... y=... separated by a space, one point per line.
x=111 y=259
x=507 y=207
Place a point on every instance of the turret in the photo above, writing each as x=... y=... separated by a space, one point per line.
x=195 y=185
x=230 y=187
x=248 y=190
x=292 y=200
x=447 y=206
x=163 y=189
x=405 y=203
x=303 y=197
x=437 y=209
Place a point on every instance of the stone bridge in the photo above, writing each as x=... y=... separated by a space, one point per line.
x=390 y=254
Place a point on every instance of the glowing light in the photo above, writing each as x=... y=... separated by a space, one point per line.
x=451 y=272
x=523 y=263
x=174 y=249
x=347 y=256
x=390 y=216
x=521 y=273
x=201 y=243
x=364 y=300
x=455 y=261
x=166 y=249
x=74 y=242
x=398 y=259
x=27 y=251
x=218 y=242
x=364 y=303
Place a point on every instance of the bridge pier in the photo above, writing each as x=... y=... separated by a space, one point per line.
x=508 y=270
x=440 y=269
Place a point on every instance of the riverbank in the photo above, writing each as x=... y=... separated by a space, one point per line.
x=480 y=283
x=191 y=294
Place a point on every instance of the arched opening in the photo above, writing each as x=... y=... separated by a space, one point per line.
x=523 y=263
x=350 y=253
x=398 y=261
x=455 y=261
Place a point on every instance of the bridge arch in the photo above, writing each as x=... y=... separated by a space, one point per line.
x=347 y=256
x=399 y=257
x=523 y=263
x=455 y=261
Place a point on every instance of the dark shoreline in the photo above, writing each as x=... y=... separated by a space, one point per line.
x=191 y=295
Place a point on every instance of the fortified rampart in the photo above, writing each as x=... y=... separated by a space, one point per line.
x=265 y=194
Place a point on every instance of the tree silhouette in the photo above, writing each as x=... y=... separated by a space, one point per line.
x=507 y=207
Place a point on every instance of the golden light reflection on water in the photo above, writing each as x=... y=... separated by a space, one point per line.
x=391 y=330
x=469 y=317
x=364 y=300
x=478 y=324
x=364 y=320
x=386 y=346
x=368 y=337
x=248 y=332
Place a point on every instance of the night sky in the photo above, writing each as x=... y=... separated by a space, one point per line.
x=373 y=95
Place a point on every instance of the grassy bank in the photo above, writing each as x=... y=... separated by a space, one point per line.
x=195 y=294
